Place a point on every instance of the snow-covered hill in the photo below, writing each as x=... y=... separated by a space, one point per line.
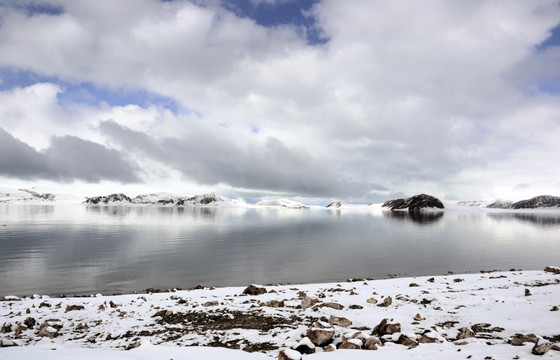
x=10 y=196
x=285 y=203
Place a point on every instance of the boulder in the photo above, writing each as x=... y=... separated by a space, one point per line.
x=7 y=343
x=308 y=302
x=384 y=328
x=333 y=305
x=305 y=346
x=329 y=348
x=48 y=331
x=289 y=354
x=320 y=337
x=254 y=290
x=520 y=339
x=552 y=269
x=425 y=339
x=351 y=344
x=386 y=302
x=406 y=341
x=372 y=301
x=340 y=321
x=465 y=333
x=541 y=349
x=372 y=343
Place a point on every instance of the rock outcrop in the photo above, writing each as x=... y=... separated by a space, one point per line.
x=113 y=198
x=541 y=201
x=414 y=203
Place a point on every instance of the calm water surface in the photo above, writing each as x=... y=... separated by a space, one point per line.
x=77 y=249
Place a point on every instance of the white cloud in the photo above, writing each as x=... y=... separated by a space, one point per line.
x=408 y=95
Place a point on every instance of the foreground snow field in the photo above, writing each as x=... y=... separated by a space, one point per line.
x=443 y=317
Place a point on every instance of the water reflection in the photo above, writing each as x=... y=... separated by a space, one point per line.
x=418 y=217
x=539 y=220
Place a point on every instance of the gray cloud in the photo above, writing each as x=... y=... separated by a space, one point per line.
x=68 y=158
x=205 y=158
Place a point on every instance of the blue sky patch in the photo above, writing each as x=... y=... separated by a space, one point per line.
x=87 y=93
x=281 y=13
x=552 y=40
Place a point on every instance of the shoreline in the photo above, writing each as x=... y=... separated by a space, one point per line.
x=470 y=312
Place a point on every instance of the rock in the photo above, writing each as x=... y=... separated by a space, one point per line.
x=334 y=205
x=329 y=348
x=254 y=290
x=386 y=302
x=352 y=344
x=340 y=321
x=418 y=317
x=413 y=285
x=289 y=354
x=321 y=325
x=308 y=302
x=305 y=346
x=384 y=328
x=356 y=307
x=274 y=304
x=527 y=292
x=7 y=343
x=541 y=349
x=320 y=337
x=6 y=328
x=481 y=327
x=520 y=339
x=552 y=269
x=372 y=301
x=554 y=308
x=74 y=308
x=48 y=331
x=424 y=339
x=333 y=305
x=465 y=333
x=29 y=322
x=20 y=329
x=121 y=198
x=414 y=203
x=210 y=303
x=406 y=341
x=372 y=343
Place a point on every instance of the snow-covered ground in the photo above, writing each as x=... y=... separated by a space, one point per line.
x=443 y=317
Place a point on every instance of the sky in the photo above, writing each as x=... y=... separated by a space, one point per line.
x=316 y=100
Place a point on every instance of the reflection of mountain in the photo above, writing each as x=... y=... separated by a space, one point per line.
x=419 y=217
x=535 y=219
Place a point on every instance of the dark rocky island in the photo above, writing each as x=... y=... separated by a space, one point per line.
x=541 y=201
x=414 y=203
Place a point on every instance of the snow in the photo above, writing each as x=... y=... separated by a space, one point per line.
x=286 y=203
x=103 y=326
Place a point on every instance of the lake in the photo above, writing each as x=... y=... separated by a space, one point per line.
x=78 y=249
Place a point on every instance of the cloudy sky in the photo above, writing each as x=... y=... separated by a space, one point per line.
x=359 y=100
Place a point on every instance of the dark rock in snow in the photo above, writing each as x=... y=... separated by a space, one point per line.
x=335 y=204
x=384 y=328
x=108 y=199
x=254 y=290
x=414 y=203
x=552 y=269
x=320 y=337
x=205 y=199
x=500 y=204
x=541 y=349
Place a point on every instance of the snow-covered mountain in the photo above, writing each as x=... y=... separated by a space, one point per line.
x=160 y=199
x=285 y=203
x=500 y=204
x=24 y=196
x=473 y=203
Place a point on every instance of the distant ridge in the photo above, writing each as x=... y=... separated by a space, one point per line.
x=414 y=203
x=537 y=202
x=158 y=199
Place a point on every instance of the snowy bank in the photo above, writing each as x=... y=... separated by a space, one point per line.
x=440 y=317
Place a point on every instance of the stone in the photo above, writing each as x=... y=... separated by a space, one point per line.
x=6 y=328
x=520 y=339
x=386 y=302
x=254 y=290
x=329 y=348
x=541 y=349
x=289 y=354
x=356 y=307
x=7 y=343
x=418 y=317
x=372 y=343
x=305 y=346
x=274 y=304
x=372 y=301
x=333 y=305
x=527 y=292
x=384 y=328
x=552 y=269
x=20 y=329
x=29 y=322
x=465 y=333
x=424 y=339
x=48 y=331
x=210 y=303
x=74 y=308
x=340 y=321
x=413 y=285
x=352 y=344
x=320 y=337
x=554 y=308
x=308 y=302
x=406 y=341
